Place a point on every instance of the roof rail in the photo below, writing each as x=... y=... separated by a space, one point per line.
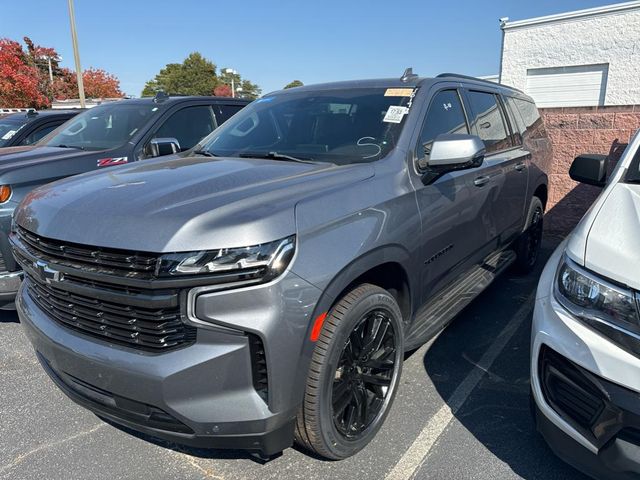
x=469 y=77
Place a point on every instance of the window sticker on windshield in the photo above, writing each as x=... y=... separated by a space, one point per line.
x=9 y=134
x=398 y=92
x=395 y=114
x=108 y=162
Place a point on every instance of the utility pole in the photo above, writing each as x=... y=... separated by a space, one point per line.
x=76 y=53
x=232 y=72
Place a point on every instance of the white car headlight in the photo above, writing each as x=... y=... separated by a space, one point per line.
x=594 y=299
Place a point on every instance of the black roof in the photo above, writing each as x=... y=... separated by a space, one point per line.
x=182 y=98
x=33 y=114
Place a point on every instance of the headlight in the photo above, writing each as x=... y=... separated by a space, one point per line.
x=263 y=262
x=594 y=299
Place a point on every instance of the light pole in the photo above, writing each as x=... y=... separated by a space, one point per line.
x=48 y=59
x=232 y=72
x=76 y=53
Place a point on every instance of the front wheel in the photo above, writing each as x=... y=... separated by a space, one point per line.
x=530 y=241
x=354 y=374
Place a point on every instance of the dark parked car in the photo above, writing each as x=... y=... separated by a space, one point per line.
x=111 y=134
x=269 y=287
x=26 y=128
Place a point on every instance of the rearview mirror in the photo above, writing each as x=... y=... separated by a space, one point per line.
x=589 y=168
x=455 y=152
x=163 y=146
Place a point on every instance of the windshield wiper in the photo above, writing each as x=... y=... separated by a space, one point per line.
x=277 y=156
x=69 y=146
x=205 y=153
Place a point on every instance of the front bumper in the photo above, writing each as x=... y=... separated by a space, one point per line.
x=203 y=394
x=10 y=277
x=585 y=388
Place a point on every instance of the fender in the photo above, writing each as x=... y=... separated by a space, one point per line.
x=359 y=266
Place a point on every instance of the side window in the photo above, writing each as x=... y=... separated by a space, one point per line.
x=489 y=121
x=445 y=116
x=39 y=133
x=516 y=123
x=531 y=118
x=188 y=125
x=225 y=112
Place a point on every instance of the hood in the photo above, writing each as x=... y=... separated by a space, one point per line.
x=173 y=205
x=12 y=158
x=612 y=242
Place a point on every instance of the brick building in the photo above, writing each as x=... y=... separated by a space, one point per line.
x=583 y=70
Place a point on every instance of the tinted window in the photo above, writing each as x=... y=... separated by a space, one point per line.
x=489 y=122
x=39 y=133
x=103 y=127
x=445 y=116
x=514 y=120
x=531 y=118
x=188 y=125
x=338 y=126
x=9 y=126
x=226 y=112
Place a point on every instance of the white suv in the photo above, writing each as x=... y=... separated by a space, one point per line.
x=585 y=346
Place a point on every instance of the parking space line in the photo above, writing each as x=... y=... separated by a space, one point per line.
x=421 y=446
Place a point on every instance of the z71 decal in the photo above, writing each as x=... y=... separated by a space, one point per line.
x=108 y=162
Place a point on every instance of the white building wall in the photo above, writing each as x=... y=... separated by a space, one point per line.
x=612 y=38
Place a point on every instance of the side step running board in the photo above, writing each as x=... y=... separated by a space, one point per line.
x=438 y=312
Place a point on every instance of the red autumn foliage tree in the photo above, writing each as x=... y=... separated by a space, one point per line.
x=19 y=81
x=25 y=82
x=222 y=91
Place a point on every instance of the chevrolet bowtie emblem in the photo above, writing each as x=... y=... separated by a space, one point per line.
x=47 y=273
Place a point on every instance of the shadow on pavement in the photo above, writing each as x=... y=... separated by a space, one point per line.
x=497 y=413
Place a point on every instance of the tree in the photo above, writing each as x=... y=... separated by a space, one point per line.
x=295 y=83
x=19 y=80
x=195 y=76
x=25 y=81
x=222 y=91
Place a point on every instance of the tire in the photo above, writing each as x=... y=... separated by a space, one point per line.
x=344 y=372
x=528 y=245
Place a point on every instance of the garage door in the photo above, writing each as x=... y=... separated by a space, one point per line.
x=579 y=86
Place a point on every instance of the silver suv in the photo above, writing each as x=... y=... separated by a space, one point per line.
x=266 y=287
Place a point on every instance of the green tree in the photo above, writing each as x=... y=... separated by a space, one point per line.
x=195 y=76
x=295 y=83
x=247 y=89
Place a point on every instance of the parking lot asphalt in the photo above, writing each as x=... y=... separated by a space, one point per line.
x=462 y=412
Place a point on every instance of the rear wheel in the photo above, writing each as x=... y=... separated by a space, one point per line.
x=530 y=241
x=354 y=374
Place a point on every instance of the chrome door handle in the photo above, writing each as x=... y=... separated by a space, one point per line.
x=520 y=166
x=480 y=181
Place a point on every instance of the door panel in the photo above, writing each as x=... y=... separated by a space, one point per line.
x=505 y=164
x=454 y=212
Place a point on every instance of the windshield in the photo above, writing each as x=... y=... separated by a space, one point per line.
x=9 y=127
x=338 y=126
x=103 y=127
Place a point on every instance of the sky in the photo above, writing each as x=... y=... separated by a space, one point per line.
x=274 y=42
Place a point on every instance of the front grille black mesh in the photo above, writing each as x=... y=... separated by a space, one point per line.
x=569 y=391
x=144 y=328
x=93 y=259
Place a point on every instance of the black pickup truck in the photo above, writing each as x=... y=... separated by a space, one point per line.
x=114 y=133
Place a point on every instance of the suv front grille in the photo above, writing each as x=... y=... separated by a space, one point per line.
x=93 y=259
x=145 y=318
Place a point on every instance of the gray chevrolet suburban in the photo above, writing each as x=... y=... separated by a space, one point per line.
x=266 y=288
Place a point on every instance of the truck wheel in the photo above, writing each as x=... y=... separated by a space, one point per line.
x=354 y=374
x=528 y=245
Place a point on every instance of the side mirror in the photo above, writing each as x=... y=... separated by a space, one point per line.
x=163 y=146
x=456 y=152
x=589 y=168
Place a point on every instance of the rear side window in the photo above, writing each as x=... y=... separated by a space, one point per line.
x=188 y=125
x=445 y=116
x=531 y=119
x=41 y=132
x=514 y=120
x=489 y=121
x=225 y=112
